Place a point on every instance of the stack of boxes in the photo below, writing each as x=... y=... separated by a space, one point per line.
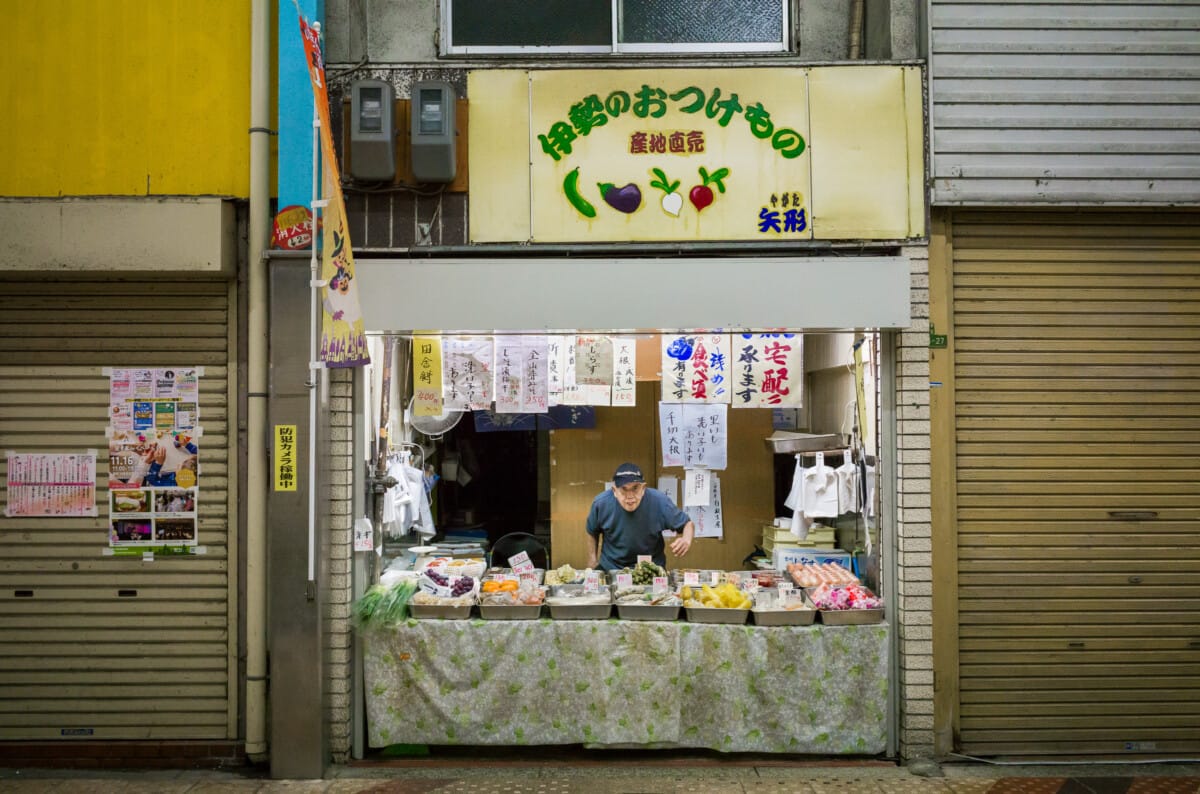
x=819 y=547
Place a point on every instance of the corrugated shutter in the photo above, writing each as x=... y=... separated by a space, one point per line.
x=1075 y=101
x=1077 y=377
x=75 y=656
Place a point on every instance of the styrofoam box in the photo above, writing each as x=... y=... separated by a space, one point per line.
x=785 y=555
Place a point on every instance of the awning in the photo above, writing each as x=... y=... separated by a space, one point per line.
x=821 y=293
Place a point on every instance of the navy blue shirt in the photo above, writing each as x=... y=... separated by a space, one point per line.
x=630 y=534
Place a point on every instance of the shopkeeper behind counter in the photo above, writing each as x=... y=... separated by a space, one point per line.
x=632 y=518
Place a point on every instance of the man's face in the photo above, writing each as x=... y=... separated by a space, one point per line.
x=630 y=496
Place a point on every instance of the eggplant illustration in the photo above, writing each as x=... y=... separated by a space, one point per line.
x=623 y=199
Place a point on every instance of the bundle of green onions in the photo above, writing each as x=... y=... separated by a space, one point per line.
x=383 y=605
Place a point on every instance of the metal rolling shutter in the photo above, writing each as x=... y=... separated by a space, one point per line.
x=76 y=656
x=1077 y=375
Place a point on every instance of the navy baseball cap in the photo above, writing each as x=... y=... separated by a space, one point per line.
x=627 y=473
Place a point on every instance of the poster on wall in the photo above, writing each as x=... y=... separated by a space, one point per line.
x=467 y=372
x=695 y=368
x=768 y=370
x=44 y=485
x=694 y=435
x=707 y=519
x=153 y=456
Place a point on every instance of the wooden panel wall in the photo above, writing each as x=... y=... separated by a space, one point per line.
x=583 y=460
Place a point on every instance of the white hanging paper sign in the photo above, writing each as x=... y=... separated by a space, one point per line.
x=624 y=385
x=694 y=435
x=768 y=370
x=535 y=360
x=670 y=486
x=508 y=372
x=364 y=535
x=556 y=364
x=696 y=368
x=593 y=361
x=707 y=520
x=697 y=487
x=467 y=372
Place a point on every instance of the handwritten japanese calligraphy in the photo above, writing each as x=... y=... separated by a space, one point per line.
x=694 y=435
x=768 y=370
x=695 y=368
x=427 y=376
x=467 y=373
x=624 y=386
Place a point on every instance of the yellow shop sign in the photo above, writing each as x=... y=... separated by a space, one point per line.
x=760 y=154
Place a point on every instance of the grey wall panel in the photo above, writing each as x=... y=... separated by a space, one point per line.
x=1074 y=102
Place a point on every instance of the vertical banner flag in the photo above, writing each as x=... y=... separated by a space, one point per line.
x=343 y=339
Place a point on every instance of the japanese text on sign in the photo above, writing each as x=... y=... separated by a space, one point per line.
x=768 y=370
x=285 y=457
x=467 y=373
x=651 y=102
x=695 y=368
x=427 y=376
x=694 y=435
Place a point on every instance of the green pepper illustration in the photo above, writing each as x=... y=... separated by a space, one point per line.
x=571 y=190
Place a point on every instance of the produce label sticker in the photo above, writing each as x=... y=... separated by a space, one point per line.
x=659 y=585
x=691 y=578
x=624 y=580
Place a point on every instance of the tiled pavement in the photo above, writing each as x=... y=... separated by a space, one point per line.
x=406 y=777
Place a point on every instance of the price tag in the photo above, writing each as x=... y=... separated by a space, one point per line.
x=645 y=558
x=524 y=567
x=784 y=589
x=715 y=577
x=691 y=578
x=591 y=582
x=507 y=577
x=518 y=560
x=528 y=576
x=660 y=584
x=624 y=580
x=752 y=586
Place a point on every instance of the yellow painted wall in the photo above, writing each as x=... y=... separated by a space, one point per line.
x=125 y=97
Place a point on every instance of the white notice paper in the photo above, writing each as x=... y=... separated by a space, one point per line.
x=707 y=520
x=624 y=385
x=697 y=487
x=694 y=434
x=670 y=486
x=467 y=373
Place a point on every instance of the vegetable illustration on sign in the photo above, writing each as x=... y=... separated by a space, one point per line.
x=672 y=202
x=571 y=190
x=701 y=195
x=624 y=199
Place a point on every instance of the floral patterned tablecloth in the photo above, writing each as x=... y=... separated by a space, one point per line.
x=802 y=689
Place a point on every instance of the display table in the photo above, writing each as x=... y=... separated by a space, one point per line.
x=804 y=689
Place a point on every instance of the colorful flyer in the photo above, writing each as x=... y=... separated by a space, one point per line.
x=695 y=368
x=42 y=485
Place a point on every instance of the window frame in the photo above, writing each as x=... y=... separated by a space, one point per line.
x=616 y=47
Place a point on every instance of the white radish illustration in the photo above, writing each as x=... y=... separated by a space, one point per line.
x=672 y=202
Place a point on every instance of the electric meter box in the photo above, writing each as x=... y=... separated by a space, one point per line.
x=372 y=131
x=433 y=131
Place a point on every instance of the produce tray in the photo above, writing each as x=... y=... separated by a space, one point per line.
x=784 y=617
x=716 y=615
x=647 y=612
x=850 y=617
x=580 y=612
x=510 y=612
x=428 y=611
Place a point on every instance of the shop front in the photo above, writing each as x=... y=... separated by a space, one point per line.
x=696 y=329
